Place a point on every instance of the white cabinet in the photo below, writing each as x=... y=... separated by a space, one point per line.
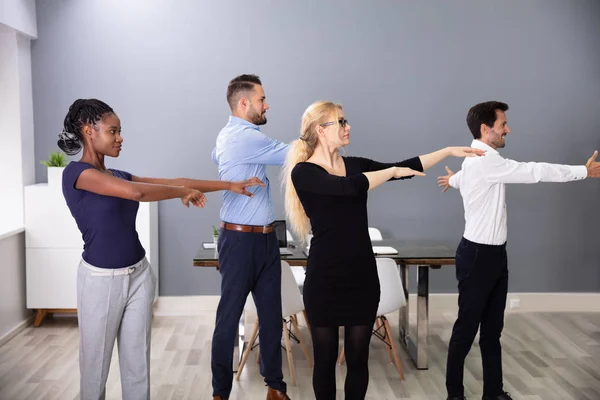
x=52 y=278
x=54 y=246
x=48 y=221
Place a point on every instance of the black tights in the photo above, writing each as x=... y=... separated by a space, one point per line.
x=325 y=347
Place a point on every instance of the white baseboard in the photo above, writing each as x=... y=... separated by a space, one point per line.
x=527 y=302
x=185 y=305
x=13 y=332
x=439 y=303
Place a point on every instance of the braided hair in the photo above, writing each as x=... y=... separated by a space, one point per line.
x=81 y=112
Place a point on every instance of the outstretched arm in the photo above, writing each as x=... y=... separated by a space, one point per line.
x=377 y=178
x=205 y=186
x=501 y=170
x=423 y=162
x=367 y=166
x=431 y=159
x=312 y=178
x=94 y=181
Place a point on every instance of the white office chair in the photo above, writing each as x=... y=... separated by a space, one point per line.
x=375 y=234
x=291 y=304
x=299 y=276
x=300 y=272
x=392 y=299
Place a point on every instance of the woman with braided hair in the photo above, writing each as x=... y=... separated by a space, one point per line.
x=115 y=284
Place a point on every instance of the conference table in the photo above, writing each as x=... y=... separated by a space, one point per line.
x=423 y=255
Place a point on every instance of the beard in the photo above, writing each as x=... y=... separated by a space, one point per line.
x=498 y=140
x=257 y=119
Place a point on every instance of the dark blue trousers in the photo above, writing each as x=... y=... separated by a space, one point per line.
x=248 y=263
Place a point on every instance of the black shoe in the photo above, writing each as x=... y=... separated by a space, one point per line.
x=503 y=396
x=456 y=398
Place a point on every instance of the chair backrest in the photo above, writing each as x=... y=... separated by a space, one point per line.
x=291 y=299
x=375 y=234
x=299 y=275
x=392 y=292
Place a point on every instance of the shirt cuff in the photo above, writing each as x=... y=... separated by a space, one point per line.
x=579 y=172
x=451 y=181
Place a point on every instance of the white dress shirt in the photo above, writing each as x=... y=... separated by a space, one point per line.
x=482 y=182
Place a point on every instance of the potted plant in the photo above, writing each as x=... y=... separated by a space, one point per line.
x=56 y=163
x=215 y=234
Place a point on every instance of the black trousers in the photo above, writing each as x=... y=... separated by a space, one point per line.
x=482 y=274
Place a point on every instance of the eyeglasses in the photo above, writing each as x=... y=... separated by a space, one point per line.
x=342 y=121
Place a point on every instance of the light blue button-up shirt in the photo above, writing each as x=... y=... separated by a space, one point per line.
x=243 y=151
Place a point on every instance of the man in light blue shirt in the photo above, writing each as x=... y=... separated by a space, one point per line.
x=243 y=150
x=249 y=259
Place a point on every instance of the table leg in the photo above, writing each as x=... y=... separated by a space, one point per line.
x=418 y=351
x=403 y=321
x=422 y=316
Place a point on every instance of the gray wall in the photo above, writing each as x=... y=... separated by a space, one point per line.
x=406 y=73
x=12 y=285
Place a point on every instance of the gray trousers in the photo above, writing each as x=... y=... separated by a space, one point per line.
x=115 y=304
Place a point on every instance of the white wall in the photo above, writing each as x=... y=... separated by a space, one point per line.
x=20 y=16
x=26 y=110
x=17 y=164
x=11 y=176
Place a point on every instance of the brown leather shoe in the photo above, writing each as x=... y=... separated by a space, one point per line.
x=273 y=394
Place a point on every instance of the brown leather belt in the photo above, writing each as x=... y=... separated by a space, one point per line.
x=248 y=228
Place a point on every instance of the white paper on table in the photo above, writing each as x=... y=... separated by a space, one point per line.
x=382 y=250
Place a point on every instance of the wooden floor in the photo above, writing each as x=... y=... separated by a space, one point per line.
x=546 y=356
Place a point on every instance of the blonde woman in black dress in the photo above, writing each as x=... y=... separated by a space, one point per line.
x=327 y=193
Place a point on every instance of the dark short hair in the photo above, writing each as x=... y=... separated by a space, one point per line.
x=239 y=84
x=483 y=113
x=82 y=112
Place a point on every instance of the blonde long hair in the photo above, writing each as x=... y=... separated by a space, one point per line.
x=301 y=150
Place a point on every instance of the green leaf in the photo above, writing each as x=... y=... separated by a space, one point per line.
x=55 y=159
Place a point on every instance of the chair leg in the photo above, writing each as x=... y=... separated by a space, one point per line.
x=342 y=353
x=306 y=319
x=378 y=325
x=388 y=330
x=301 y=339
x=258 y=355
x=288 y=347
x=247 y=351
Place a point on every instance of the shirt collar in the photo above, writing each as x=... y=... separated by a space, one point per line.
x=478 y=144
x=239 y=121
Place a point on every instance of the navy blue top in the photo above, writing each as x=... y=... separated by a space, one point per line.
x=106 y=223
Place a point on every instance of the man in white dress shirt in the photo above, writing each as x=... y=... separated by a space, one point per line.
x=481 y=262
